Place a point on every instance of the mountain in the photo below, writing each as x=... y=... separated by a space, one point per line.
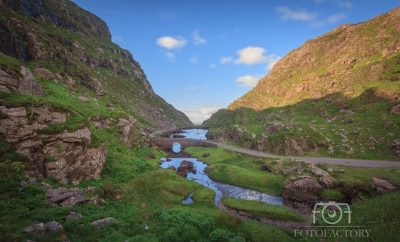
x=59 y=41
x=70 y=97
x=353 y=70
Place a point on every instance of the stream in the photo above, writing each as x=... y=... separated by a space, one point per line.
x=221 y=189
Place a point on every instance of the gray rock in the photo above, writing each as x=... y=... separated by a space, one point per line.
x=206 y=155
x=382 y=186
x=46 y=186
x=75 y=200
x=83 y=99
x=39 y=228
x=29 y=229
x=53 y=226
x=101 y=222
x=302 y=189
x=33 y=181
x=61 y=197
x=73 y=215
x=23 y=183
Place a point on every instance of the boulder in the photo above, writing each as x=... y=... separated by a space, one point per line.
x=61 y=197
x=184 y=168
x=75 y=200
x=83 y=99
x=265 y=167
x=292 y=170
x=395 y=109
x=302 y=189
x=44 y=73
x=73 y=215
x=325 y=179
x=292 y=147
x=53 y=226
x=101 y=222
x=206 y=155
x=382 y=186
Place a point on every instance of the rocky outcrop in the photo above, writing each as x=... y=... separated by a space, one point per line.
x=396 y=146
x=35 y=32
x=302 y=189
x=64 y=156
x=42 y=228
x=395 y=109
x=382 y=186
x=184 y=168
x=126 y=126
x=25 y=84
x=292 y=147
x=324 y=178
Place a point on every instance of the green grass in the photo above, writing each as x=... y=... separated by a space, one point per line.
x=239 y=170
x=262 y=210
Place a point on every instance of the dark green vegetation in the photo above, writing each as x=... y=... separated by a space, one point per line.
x=379 y=215
x=333 y=96
x=262 y=210
x=150 y=196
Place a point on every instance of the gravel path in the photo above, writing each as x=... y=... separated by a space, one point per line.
x=322 y=160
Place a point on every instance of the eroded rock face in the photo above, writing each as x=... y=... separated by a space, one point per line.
x=302 y=189
x=26 y=84
x=64 y=156
x=126 y=126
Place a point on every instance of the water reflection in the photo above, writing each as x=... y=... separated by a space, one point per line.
x=221 y=189
x=193 y=133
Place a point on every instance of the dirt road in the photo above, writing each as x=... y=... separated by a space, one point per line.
x=322 y=160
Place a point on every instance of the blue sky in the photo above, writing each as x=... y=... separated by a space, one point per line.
x=201 y=55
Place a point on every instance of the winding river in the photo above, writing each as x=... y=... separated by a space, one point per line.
x=221 y=189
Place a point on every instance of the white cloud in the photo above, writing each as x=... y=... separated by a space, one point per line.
x=200 y=114
x=212 y=65
x=224 y=60
x=170 y=42
x=194 y=59
x=248 y=80
x=299 y=15
x=254 y=55
x=251 y=55
x=197 y=40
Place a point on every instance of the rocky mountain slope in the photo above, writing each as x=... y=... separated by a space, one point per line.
x=337 y=94
x=61 y=42
x=68 y=95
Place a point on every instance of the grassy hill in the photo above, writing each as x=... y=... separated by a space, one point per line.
x=337 y=95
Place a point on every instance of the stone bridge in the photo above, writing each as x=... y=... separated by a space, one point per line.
x=166 y=143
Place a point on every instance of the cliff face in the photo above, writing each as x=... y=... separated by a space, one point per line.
x=348 y=59
x=69 y=97
x=69 y=45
